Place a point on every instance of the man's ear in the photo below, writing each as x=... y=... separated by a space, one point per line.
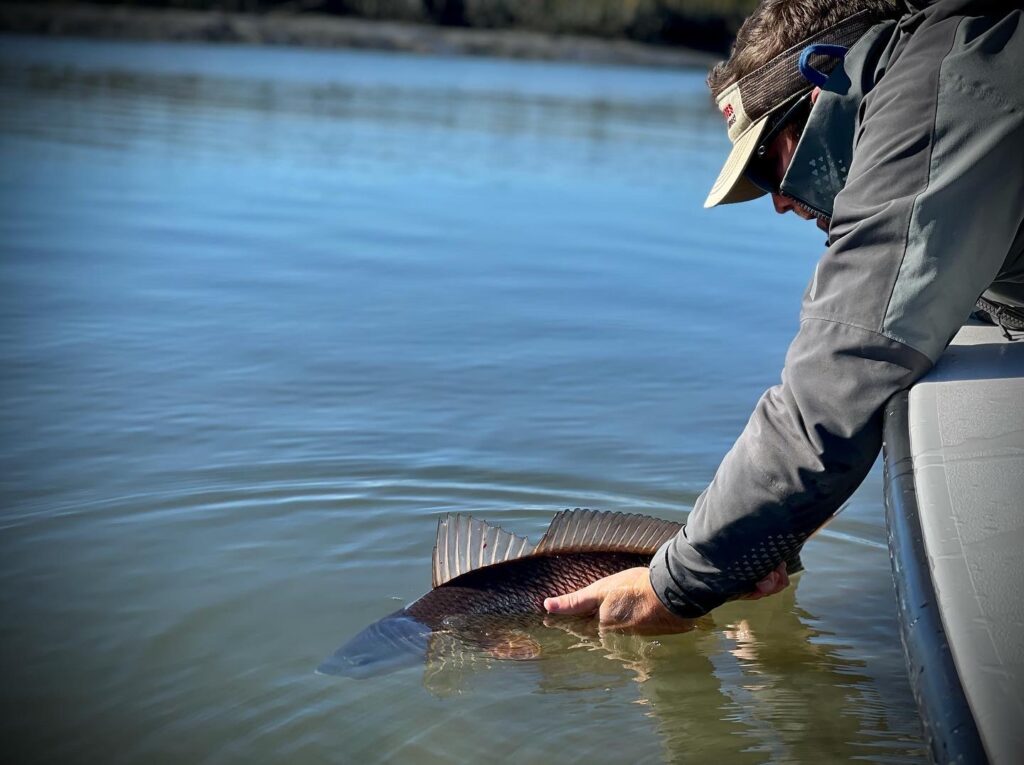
x=815 y=93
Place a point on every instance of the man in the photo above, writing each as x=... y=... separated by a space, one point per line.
x=910 y=154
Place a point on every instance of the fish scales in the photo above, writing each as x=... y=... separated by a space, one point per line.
x=521 y=585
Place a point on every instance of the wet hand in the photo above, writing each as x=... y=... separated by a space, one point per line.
x=774 y=583
x=624 y=601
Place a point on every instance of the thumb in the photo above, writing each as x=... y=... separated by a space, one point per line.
x=585 y=601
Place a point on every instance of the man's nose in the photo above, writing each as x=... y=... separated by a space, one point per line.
x=783 y=204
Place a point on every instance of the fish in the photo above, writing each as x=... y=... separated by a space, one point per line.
x=488 y=584
x=483 y=576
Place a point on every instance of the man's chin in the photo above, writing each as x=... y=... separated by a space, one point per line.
x=820 y=221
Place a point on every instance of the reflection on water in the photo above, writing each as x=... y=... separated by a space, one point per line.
x=267 y=314
x=764 y=687
x=781 y=686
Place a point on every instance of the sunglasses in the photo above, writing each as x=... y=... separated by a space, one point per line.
x=760 y=170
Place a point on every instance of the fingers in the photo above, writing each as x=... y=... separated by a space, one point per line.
x=581 y=602
x=624 y=601
x=774 y=583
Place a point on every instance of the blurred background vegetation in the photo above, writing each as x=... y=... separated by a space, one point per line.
x=702 y=24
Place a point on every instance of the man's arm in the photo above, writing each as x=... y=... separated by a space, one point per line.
x=931 y=208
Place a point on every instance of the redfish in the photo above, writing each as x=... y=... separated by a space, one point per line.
x=484 y=576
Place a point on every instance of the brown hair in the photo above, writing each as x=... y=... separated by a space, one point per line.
x=777 y=25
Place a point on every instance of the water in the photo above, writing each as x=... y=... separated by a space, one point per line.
x=268 y=313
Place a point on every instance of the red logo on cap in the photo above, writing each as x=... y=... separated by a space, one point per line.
x=729 y=114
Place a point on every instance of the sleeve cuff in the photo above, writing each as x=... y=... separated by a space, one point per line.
x=677 y=589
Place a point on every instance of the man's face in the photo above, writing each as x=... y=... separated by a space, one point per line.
x=780 y=154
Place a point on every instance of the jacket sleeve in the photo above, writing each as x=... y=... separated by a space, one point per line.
x=930 y=211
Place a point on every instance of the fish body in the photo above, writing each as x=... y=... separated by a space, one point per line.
x=482 y=573
x=520 y=586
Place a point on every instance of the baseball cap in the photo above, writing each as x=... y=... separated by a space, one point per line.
x=749 y=104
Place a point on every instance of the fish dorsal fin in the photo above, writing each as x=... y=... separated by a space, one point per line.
x=464 y=544
x=581 y=530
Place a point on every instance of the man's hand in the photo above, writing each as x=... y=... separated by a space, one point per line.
x=774 y=583
x=626 y=601
x=623 y=601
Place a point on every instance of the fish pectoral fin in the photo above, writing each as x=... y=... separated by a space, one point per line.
x=514 y=645
x=580 y=530
x=465 y=544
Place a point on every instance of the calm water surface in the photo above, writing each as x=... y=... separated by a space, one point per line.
x=268 y=313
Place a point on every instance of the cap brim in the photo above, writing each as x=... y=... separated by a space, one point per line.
x=732 y=185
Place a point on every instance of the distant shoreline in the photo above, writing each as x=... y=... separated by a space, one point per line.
x=323 y=31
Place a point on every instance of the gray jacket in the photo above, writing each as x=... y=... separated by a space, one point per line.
x=929 y=112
